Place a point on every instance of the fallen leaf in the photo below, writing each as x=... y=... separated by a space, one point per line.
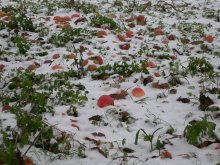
x=165 y=155
x=96 y=142
x=205 y=144
x=205 y=101
x=121 y=95
x=141 y=20
x=95 y=118
x=148 y=79
x=125 y=46
x=183 y=100
x=99 y=134
x=127 y=150
x=75 y=125
x=57 y=67
x=173 y=91
x=100 y=151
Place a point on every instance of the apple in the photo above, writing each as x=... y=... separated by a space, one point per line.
x=92 y=67
x=2 y=66
x=150 y=64
x=129 y=34
x=56 y=56
x=121 y=38
x=158 y=31
x=104 y=101
x=141 y=20
x=208 y=39
x=101 y=33
x=32 y=67
x=85 y=62
x=98 y=60
x=57 y=67
x=138 y=92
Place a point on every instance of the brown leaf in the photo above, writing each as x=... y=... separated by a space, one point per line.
x=160 y=86
x=96 y=118
x=217 y=116
x=127 y=150
x=205 y=101
x=75 y=125
x=173 y=91
x=165 y=154
x=99 y=134
x=164 y=86
x=6 y=107
x=118 y=96
x=83 y=19
x=100 y=151
x=147 y=80
x=125 y=46
x=97 y=142
x=205 y=144
x=183 y=100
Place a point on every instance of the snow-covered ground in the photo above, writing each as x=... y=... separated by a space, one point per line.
x=160 y=36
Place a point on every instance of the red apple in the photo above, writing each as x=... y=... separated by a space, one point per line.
x=85 y=62
x=104 y=101
x=32 y=67
x=158 y=31
x=75 y=15
x=92 y=67
x=121 y=38
x=55 y=56
x=138 y=92
x=2 y=66
x=56 y=67
x=141 y=20
x=208 y=39
x=125 y=46
x=98 y=60
x=150 y=64
x=129 y=34
x=101 y=33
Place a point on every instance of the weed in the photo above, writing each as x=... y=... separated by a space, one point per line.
x=69 y=34
x=149 y=137
x=201 y=67
x=99 y=21
x=123 y=69
x=22 y=45
x=196 y=131
x=22 y=22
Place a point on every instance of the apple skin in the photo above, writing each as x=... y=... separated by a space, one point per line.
x=98 y=60
x=104 y=101
x=138 y=92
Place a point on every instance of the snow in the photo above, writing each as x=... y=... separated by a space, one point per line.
x=148 y=113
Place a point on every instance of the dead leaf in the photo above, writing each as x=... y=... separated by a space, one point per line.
x=125 y=46
x=148 y=79
x=99 y=134
x=118 y=96
x=95 y=118
x=97 y=142
x=183 y=100
x=160 y=86
x=83 y=19
x=75 y=125
x=205 y=101
x=100 y=151
x=127 y=150
x=165 y=155
x=205 y=144
x=173 y=91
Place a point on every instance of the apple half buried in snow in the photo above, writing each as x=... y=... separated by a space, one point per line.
x=138 y=92
x=104 y=101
